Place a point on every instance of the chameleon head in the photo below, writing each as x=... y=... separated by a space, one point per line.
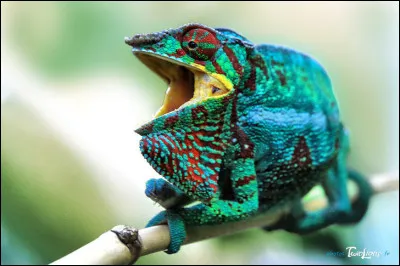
x=202 y=67
x=197 y=63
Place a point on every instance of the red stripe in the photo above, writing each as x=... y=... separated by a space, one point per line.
x=233 y=59
x=214 y=187
x=190 y=37
x=251 y=81
x=168 y=167
x=282 y=78
x=218 y=67
x=178 y=53
x=199 y=62
x=170 y=121
x=245 y=180
x=193 y=176
x=174 y=147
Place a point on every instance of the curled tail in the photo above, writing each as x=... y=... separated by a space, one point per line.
x=360 y=205
x=339 y=210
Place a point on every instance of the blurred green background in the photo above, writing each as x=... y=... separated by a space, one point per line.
x=72 y=94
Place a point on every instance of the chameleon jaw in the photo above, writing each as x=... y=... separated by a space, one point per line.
x=186 y=85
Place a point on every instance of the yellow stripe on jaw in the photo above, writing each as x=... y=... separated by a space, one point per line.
x=227 y=84
x=205 y=87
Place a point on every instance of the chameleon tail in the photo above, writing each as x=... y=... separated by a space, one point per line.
x=339 y=210
x=360 y=205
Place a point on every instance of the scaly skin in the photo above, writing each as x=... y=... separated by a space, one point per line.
x=264 y=131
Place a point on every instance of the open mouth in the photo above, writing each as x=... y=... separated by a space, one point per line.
x=186 y=85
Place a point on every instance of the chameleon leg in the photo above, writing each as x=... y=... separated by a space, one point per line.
x=300 y=221
x=243 y=203
x=217 y=210
x=339 y=209
x=176 y=227
x=168 y=196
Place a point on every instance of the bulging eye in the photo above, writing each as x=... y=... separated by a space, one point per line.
x=200 y=44
x=192 y=45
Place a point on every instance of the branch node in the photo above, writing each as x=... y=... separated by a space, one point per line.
x=130 y=237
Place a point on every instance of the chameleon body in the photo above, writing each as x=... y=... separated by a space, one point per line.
x=244 y=129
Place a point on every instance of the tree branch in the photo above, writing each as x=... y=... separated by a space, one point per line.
x=123 y=245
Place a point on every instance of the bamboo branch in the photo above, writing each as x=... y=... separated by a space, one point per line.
x=123 y=245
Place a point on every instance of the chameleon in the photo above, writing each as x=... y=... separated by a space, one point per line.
x=243 y=129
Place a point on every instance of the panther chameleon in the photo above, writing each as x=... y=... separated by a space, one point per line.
x=243 y=129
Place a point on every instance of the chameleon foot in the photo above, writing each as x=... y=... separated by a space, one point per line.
x=176 y=228
x=165 y=194
x=288 y=222
x=158 y=190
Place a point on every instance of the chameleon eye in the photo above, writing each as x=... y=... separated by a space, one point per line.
x=200 y=44
x=192 y=45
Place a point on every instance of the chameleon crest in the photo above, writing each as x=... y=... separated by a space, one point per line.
x=243 y=128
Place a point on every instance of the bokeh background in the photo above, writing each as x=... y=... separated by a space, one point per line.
x=72 y=94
